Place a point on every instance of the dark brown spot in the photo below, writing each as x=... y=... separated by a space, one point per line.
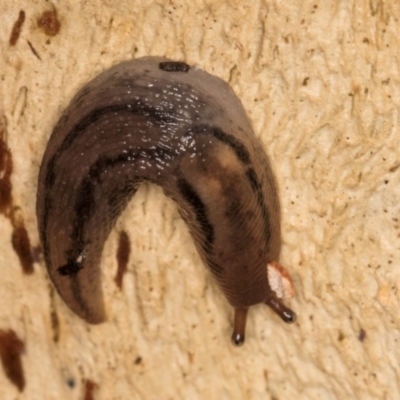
x=138 y=360
x=11 y=348
x=362 y=335
x=123 y=252
x=90 y=387
x=174 y=66
x=16 y=30
x=21 y=244
x=49 y=22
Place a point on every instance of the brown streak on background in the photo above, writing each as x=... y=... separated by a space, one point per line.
x=123 y=252
x=11 y=348
x=19 y=238
x=16 y=30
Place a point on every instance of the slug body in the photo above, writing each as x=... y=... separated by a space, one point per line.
x=155 y=120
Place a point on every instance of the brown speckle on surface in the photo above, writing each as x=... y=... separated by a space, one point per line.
x=16 y=30
x=362 y=335
x=138 y=360
x=21 y=244
x=11 y=348
x=49 y=22
x=266 y=375
x=6 y=167
x=90 y=387
x=34 y=51
x=55 y=322
x=19 y=239
x=123 y=252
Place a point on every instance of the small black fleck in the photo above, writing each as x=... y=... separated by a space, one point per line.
x=71 y=268
x=71 y=382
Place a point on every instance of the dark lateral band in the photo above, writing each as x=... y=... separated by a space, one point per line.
x=199 y=209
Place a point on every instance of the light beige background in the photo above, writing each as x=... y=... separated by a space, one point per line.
x=320 y=83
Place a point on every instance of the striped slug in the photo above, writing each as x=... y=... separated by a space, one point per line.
x=160 y=121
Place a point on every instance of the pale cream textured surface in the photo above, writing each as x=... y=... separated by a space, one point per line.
x=320 y=83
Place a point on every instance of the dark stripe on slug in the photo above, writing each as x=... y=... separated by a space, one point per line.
x=215 y=268
x=199 y=208
x=236 y=145
x=137 y=108
x=85 y=203
x=84 y=208
x=103 y=163
x=50 y=175
x=174 y=66
x=243 y=155
x=120 y=196
x=257 y=189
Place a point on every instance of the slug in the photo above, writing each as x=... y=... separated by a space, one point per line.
x=155 y=120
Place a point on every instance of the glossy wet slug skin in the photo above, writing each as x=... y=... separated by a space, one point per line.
x=152 y=119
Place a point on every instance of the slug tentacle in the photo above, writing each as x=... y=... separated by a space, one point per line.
x=155 y=120
x=239 y=326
